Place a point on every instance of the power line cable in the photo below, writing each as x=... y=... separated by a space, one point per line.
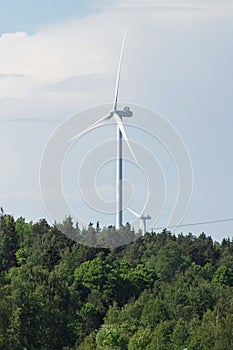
x=194 y=224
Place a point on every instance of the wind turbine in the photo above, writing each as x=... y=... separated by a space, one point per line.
x=143 y=219
x=117 y=114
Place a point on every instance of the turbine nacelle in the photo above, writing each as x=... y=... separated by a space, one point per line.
x=143 y=219
x=126 y=112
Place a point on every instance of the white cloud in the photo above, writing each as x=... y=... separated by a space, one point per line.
x=6 y=37
x=213 y=6
x=53 y=54
x=72 y=65
x=90 y=47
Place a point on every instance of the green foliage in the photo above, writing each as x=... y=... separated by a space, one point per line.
x=180 y=335
x=224 y=276
x=169 y=261
x=89 y=343
x=110 y=338
x=9 y=242
x=21 y=256
x=161 y=337
x=160 y=292
x=93 y=274
x=154 y=311
x=140 y=340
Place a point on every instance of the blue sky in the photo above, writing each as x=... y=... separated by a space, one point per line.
x=26 y=15
x=58 y=58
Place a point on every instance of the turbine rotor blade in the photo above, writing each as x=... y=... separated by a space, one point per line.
x=133 y=212
x=122 y=129
x=118 y=75
x=91 y=127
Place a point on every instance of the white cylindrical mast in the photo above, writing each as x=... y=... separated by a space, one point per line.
x=119 y=198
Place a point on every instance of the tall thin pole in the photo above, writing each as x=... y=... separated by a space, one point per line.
x=144 y=225
x=119 y=215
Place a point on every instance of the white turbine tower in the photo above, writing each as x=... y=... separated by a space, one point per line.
x=143 y=219
x=118 y=115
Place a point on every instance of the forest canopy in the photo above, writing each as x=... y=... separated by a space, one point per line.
x=159 y=292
